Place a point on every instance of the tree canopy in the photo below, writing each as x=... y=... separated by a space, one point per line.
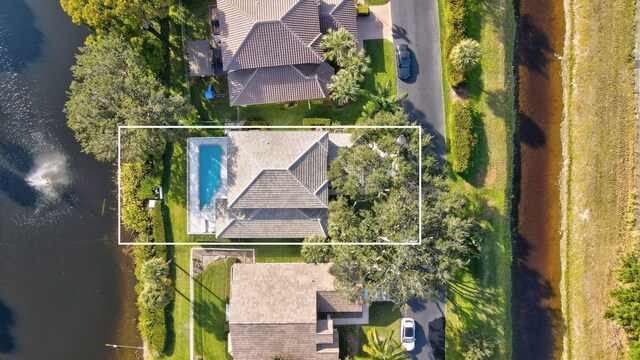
x=378 y=182
x=112 y=87
x=102 y=15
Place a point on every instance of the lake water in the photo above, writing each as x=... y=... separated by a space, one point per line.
x=66 y=288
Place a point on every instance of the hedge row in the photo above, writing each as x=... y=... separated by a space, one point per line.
x=137 y=181
x=316 y=122
x=463 y=136
x=455 y=31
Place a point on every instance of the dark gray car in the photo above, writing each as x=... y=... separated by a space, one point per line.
x=403 y=61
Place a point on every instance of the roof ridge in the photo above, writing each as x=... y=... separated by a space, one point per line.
x=245 y=85
x=317 y=142
x=248 y=185
x=246 y=18
x=282 y=21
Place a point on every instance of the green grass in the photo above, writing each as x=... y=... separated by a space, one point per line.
x=384 y=317
x=481 y=294
x=211 y=294
x=376 y=2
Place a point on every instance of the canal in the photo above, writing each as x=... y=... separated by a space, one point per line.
x=536 y=307
x=66 y=288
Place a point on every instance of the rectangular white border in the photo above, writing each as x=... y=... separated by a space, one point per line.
x=417 y=127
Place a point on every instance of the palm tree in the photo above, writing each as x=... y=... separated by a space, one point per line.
x=344 y=87
x=336 y=43
x=356 y=62
x=155 y=296
x=385 y=349
x=155 y=270
x=383 y=99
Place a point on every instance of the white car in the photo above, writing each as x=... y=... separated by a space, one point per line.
x=408 y=333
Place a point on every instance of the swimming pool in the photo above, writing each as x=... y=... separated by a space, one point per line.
x=209 y=168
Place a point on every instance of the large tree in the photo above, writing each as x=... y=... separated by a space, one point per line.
x=104 y=15
x=378 y=182
x=113 y=87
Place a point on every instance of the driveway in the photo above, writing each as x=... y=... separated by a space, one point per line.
x=429 y=318
x=415 y=22
x=375 y=26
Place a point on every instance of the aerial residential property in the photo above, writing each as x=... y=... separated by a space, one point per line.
x=261 y=184
x=296 y=314
x=271 y=50
x=319 y=179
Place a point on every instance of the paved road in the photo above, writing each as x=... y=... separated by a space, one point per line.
x=415 y=22
x=429 y=319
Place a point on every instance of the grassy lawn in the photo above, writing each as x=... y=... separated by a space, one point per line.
x=599 y=178
x=481 y=295
x=376 y=2
x=384 y=317
x=211 y=294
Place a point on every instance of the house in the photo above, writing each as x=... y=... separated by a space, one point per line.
x=261 y=184
x=271 y=49
x=289 y=310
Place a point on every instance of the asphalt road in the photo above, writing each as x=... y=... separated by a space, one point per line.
x=415 y=23
x=429 y=318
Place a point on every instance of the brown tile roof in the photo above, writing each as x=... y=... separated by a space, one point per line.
x=279 y=84
x=268 y=33
x=339 y=13
x=276 y=306
x=269 y=224
x=331 y=301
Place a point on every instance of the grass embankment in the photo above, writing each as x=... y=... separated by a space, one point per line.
x=598 y=185
x=481 y=295
x=174 y=184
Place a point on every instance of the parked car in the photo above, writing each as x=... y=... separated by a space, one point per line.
x=403 y=61
x=408 y=333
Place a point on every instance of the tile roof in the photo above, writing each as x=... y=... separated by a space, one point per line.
x=339 y=13
x=283 y=318
x=269 y=223
x=288 y=292
x=255 y=30
x=279 y=84
x=278 y=164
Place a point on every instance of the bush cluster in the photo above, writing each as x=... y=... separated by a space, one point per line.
x=455 y=43
x=147 y=226
x=316 y=122
x=463 y=139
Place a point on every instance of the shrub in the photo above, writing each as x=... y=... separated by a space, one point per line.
x=316 y=122
x=454 y=33
x=134 y=215
x=316 y=254
x=464 y=139
x=466 y=55
x=158 y=223
x=153 y=329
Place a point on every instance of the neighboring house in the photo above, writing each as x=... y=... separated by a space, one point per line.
x=288 y=310
x=270 y=184
x=271 y=49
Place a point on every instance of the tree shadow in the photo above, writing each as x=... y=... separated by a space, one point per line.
x=437 y=337
x=532 y=45
x=399 y=32
x=210 y=317
x=7 y=323
x=529 y=132
x=22 y=39
x=424 y=120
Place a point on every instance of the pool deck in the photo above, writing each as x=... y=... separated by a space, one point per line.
x=201 y=221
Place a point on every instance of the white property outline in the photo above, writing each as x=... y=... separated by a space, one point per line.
x=222 y=127
x=191 y=313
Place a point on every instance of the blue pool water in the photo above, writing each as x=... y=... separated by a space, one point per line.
x=209 y=172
